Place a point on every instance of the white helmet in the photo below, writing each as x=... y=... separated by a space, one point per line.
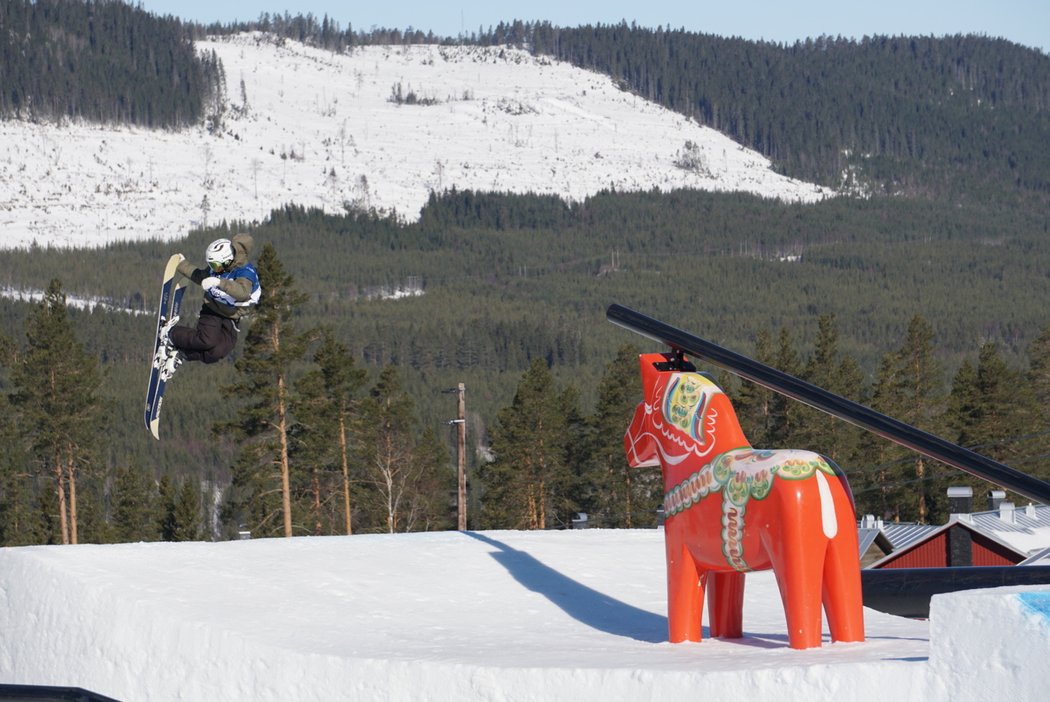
x=219 y=255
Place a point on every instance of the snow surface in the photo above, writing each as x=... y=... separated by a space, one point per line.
x=503 y=615
x=306 y=126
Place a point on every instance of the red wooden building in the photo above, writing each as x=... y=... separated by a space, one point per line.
x=1000 y=536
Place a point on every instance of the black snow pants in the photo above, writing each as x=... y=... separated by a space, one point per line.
x=212 y=339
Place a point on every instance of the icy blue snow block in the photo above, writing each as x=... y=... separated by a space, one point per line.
x=1037 y=603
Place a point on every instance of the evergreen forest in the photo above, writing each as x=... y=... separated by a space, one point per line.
x=918 y=292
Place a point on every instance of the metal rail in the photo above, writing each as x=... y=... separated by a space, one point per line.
x=835 y=405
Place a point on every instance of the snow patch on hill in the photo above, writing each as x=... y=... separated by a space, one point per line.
x=377 y=128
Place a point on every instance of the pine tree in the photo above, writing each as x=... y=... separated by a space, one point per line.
x=529 y=441
x=1039 y=379
x=271 y=347
x=911 y=391
x=134 y=506
x=754 y=403
x=784 y=413
x=56 y=393
x=876 y=477
x=619 y=496
x=993 y=410
x=167 y=493
x=187 y=515
x=401 y=469
x=1039 y=370
x=17 y=509
x=326 y=398
x=830 y=371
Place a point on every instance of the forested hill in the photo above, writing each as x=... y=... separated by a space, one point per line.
x=912 y=115
x=957 y=116
x=920 y=116
x=101 y=62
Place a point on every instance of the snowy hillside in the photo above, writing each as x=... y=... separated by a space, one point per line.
x=378 y=128
x=530 y=616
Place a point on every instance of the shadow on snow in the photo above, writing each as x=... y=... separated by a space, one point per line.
x=580 y=602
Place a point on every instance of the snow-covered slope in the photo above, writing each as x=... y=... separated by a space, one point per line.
x=536 y=616
x=306 y=126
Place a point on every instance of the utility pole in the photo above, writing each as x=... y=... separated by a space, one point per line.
x=461 y=473
x=461 y=446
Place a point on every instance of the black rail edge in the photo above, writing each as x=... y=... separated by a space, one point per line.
x=43 y=693
x=835 y=405
x=906 y=592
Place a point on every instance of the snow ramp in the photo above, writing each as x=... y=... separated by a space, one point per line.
x=502 y=615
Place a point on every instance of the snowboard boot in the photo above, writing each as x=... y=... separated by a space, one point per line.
x=166 y=329
x=168 y=359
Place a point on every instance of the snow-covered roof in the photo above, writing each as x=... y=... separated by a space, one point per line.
x=1041 y=558
x=1026 y=529
x=898 y=534
x=904 y=534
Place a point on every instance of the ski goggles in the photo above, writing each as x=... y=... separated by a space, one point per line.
x=216 y=266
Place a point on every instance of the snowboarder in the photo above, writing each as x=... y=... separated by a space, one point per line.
x=231 y=288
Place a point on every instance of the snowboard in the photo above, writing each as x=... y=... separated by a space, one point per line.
x=170 y=301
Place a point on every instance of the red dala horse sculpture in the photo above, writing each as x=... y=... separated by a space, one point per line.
x=730 y=509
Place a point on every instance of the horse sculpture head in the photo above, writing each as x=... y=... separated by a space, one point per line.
x=685 y=416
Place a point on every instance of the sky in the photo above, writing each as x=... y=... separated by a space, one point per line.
x=1026 y=22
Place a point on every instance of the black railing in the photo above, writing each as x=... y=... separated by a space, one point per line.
x=40 y=693
x=906 y=592
x=835 y=405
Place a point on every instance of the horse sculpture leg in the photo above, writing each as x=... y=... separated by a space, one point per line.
x=797 y=551
x=725 y=604
x=685 y=593
x=842 y=595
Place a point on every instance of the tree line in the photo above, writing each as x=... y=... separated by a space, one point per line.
x=578 y=464
x=514 y=292
x=508 y=280
x=891 y=113
x=314 y=450
x=104 y=62
x=311 y=452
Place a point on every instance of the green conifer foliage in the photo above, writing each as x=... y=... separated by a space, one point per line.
x=993 y=410
x=528 y=484
x=613 y=494
x=272 y=346
x=325 y=403
x=57 y=396
x=134 y=501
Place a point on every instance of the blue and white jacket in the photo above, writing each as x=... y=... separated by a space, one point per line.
x=238 y=289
